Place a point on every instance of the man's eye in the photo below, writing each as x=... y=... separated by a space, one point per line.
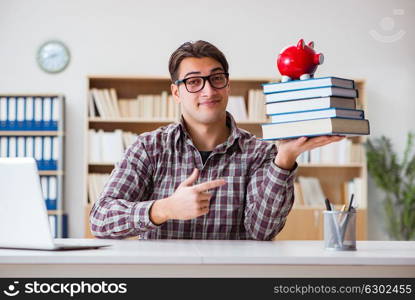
x=194 y=81
x=218 y=78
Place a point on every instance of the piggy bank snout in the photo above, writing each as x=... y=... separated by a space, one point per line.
x=318 y=59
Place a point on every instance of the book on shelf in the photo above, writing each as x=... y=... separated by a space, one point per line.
x=316 y=127
x=53 y=222
x=342 y=152
x=256 y=109
x=311 y=191
x=237 y=108
x=111 y=145
x=49 y=186
x=317 y=114
x=355 y=187
x=101 y=103
x=310 y=104
x=108 y=146
x=96 y=183
x=273 y=87
x=298 y=195
x=311 y=93
x=128 y=138
x=112 y=94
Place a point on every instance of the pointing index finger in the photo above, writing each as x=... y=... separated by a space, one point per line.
x=202 y=187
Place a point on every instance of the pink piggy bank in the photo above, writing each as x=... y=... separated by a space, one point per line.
x=298 y=62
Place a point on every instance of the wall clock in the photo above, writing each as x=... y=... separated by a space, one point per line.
x=53 y=56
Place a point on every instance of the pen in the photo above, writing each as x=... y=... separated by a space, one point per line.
x=350 y=203
x=328 y=206
x=346 y=219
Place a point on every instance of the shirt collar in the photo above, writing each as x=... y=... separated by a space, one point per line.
x=234 y=137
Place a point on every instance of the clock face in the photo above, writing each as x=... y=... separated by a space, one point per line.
x=53 y=56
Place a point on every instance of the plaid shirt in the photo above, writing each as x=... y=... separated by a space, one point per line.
x=253 y=204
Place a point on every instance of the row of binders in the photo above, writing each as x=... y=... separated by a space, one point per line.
x=53 y=221
x=108 y=146
x=30 y=113
x=96 y=183
x=342 y=152
x=313 y=107
x=45 y=149
x=308 y=192
x=50 y=191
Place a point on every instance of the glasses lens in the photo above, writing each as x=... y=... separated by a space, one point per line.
x=194 y=84
x=218 y=80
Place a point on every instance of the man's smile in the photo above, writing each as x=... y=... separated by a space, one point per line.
x=209 y=103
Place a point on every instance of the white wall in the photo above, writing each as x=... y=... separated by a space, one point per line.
x=137 y=37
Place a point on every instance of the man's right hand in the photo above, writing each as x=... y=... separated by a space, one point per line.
x=188 y=201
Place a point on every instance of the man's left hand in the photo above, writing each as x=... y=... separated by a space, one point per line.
x=290 y=149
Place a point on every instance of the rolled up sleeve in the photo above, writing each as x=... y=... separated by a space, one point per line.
x=122 y=210
x=270 y=197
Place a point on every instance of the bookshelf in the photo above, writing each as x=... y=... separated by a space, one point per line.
x=332 y=176
x=33 y=125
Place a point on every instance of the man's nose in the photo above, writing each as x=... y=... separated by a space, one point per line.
x=208 y=89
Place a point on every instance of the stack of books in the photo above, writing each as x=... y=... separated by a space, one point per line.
x=313 y=107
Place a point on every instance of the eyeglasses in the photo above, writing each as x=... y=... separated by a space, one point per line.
x=197 y=83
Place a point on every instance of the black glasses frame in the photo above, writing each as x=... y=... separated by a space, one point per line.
x=205 y=78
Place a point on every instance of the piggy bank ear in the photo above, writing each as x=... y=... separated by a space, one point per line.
x=311 y=44
x=300 y=44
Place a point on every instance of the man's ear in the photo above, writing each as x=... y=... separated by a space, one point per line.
x=175 y=92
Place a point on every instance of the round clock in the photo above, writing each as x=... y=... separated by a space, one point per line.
x=53 y=56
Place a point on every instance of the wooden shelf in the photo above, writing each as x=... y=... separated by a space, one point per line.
x=31 y=95
x=55 y=212
x=50 y=173
x=100 y=168
x=129 y=120
x=30 y=133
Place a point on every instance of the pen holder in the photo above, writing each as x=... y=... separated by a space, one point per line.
x=340 y=230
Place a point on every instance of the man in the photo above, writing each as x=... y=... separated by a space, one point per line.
x=202 y=178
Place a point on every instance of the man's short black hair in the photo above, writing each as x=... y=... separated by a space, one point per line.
x=196 y=49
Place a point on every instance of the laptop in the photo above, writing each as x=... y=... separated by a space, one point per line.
x=24 y=222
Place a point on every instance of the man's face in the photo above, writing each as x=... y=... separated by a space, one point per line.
x=208 y=105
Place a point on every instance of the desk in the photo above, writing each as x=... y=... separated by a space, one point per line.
x=212 y=258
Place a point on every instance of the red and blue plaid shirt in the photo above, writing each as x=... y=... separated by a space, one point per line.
x=253 y=204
